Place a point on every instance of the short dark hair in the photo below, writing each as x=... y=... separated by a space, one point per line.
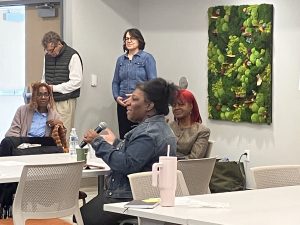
x=160 y=92
x=51 y=37
x=136 y=34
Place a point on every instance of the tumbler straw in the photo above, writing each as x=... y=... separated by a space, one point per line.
x=168 y=151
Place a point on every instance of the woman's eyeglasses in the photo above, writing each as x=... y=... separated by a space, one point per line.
x=130 y=39
x=45 y=95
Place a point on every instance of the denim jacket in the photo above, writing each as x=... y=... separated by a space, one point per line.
x=141 y=148
x=128 y=73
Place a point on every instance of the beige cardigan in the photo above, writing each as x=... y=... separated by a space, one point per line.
x=192 y=142
x=22 y=121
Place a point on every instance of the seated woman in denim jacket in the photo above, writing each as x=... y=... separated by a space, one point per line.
x=141 y=146
x=192 y=135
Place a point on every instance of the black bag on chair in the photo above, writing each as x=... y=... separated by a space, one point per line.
x=228 y=176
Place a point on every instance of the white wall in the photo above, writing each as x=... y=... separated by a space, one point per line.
x=95 y=29
x=176 y=34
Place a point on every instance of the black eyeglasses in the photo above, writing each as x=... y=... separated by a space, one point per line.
x=130 y=39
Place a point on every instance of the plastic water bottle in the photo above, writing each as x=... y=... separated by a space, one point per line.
x=73 y=142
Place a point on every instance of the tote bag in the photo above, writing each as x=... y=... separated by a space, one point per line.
x=228 y=176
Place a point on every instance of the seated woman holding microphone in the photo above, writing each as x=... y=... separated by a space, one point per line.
x=141 y=147
x=192 y=135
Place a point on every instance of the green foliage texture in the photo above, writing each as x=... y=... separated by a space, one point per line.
x=240 y=63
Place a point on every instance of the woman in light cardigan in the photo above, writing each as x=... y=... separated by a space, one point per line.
x=41 y=107
x=192 y=135
x=36 y=119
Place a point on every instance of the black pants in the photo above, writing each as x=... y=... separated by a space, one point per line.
x=93 y=213
x=6 y=147
x=125 y=125
x=9 y=146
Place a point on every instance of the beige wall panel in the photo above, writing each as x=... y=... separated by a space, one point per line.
x=35 y=28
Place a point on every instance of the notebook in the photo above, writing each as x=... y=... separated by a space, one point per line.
x=149 y=203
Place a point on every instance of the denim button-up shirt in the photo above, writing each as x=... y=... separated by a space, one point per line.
x=141 y=148
x=128 y=73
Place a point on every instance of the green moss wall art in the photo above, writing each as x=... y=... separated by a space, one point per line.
x=240 y=63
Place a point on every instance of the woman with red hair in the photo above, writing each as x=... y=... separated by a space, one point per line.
x=192 y=135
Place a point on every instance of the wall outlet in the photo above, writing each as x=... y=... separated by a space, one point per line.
x=248 y=155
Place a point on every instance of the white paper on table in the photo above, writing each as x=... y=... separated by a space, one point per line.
x=199 y=204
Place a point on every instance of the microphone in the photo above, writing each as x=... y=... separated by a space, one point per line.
x=102 y=126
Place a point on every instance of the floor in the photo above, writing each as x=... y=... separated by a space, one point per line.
x=90 y=187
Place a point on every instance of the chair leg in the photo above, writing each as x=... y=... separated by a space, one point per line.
x=78 y=217
x=82 y=196
x=18 y=220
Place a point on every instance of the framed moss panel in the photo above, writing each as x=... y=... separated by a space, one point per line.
x=240 y=63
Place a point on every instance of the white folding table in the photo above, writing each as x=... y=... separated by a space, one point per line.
x=11 y=166
x=274 y=206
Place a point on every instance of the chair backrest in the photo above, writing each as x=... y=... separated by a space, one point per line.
x=209 y=148
x=197 y=174
x=48 y=191
x=141 y=186
x=276 y=176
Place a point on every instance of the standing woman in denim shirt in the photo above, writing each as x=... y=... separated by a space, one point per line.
x=135 y=66
x=142 y=146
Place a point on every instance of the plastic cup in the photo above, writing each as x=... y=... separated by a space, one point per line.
x=166 y=170
x=81 y=154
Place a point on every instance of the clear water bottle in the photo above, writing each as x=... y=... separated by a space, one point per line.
x=73 y=142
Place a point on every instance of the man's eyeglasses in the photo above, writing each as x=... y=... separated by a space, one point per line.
x=40 y=95
x=50 y=51
x=130 y=39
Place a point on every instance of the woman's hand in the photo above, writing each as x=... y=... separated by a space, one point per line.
x=108 y=136
x=90 y=135
x=52 y=123
x=127 y=100
x=120 y=101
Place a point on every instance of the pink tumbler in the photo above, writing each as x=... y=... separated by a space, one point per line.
x=165 y=171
